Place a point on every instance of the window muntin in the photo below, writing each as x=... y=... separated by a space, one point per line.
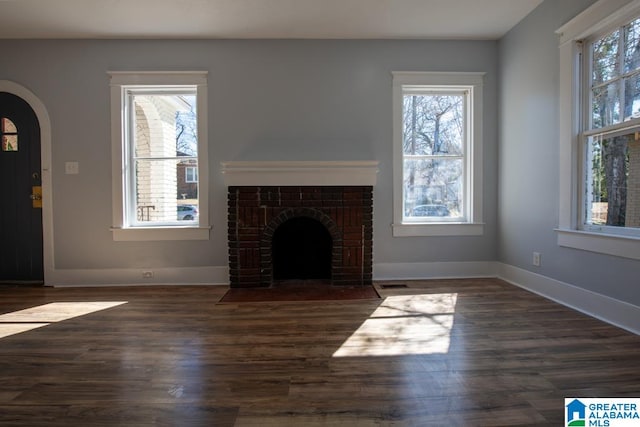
x=433 y=154
x=609 y=140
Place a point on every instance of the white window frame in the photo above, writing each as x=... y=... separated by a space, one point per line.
x=194 y=170
x=472 y=223
x=599 y=17
x=120 y=81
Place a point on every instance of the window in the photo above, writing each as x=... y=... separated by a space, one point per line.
x=600 y=130
x=8 y=135
x=159 y=126
x=611 y=134
x=191 y=174
x=437 y=153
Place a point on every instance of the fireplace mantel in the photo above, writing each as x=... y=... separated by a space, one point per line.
x=300 y=173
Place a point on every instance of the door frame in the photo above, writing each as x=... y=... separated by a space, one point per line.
x=45 y=157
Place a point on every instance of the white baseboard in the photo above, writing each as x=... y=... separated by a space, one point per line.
x=220 y=275
x=433 y=270
x=602 y=307
x=133 y=277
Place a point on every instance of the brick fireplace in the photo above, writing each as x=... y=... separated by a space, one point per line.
x=336 y=196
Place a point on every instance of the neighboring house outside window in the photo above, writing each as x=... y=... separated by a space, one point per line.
x=437 y=153
x=159 y=127
x=187 y=180
x=600 y=130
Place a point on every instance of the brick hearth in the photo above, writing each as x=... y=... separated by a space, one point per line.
x=255 y=212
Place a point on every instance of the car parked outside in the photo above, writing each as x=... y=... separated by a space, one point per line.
x=431 y=210
x=187 y=212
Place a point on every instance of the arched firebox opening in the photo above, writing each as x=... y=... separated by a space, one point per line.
x=302 y=249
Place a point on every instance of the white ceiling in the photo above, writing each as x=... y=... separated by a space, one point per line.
x=289 y=19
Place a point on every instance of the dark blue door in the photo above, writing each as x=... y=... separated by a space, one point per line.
x=21 y=257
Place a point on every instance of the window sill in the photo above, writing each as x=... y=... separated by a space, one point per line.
x=621 y=246
x=160 y=233
x=438 y=229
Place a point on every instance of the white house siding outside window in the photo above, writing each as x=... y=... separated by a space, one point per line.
x=600 y=130
x=157 y=129
x=437 y=153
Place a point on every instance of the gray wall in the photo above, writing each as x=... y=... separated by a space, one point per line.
x=528 y=157
x=268 y=100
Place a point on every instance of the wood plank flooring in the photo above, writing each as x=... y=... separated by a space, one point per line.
x=437 y=353
x=300 y=290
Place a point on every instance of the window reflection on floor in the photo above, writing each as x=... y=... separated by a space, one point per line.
x=43 y=315
x=408 y=324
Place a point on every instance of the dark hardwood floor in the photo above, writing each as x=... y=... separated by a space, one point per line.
x=437 y=353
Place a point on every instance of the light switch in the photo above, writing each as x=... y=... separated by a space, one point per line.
x=71 y=168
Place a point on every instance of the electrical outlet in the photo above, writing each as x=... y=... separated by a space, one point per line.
x=147 y=274
x=71 y=168
x=536 y=259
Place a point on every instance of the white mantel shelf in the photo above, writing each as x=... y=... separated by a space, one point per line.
x=299 y=173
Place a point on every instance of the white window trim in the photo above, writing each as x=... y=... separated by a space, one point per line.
x=474 y=225
x=120 y=79
x=596 y=18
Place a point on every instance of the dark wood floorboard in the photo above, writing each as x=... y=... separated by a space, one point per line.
x=300 y=290
x=436 y=353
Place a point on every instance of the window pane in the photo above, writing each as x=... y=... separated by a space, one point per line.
x=7 y=126
x=165 y=125
x=632 y=97
x=605 y=58
x=433 y=188
x=164 y=146
x=632 y=46
x=433 y=124
x=606 y=105
x=10 y=143
x=613 y=181
x=160 y=190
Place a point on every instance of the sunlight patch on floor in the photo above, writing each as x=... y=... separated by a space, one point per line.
x=43 y=315
x=406 y=324
x=7 y=329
